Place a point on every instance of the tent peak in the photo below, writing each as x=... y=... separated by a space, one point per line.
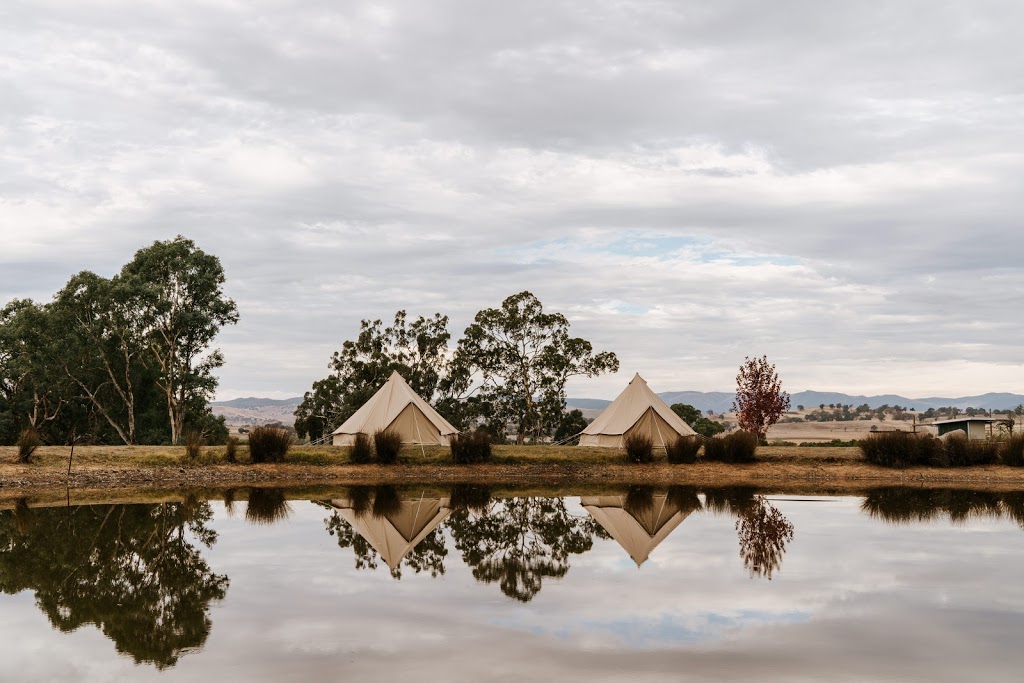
x=638 y=377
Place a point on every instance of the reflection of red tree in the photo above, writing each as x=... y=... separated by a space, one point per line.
x=763 y=532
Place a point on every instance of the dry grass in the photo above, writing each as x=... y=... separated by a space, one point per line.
x=149 y=466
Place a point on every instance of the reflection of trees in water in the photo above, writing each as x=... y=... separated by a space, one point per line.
x=518 y=542
x=762 y=529
x=427 y=556
x=901 y=505
x=764 y=533
x=131 y=570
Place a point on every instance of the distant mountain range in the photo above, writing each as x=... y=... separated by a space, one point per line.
x=254 y=410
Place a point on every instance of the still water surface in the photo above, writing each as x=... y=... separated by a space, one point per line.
x=378 y=583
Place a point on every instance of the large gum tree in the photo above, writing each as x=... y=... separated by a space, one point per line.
x=179 y=291
x=523 y=357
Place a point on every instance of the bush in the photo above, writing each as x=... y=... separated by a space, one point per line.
x=1013 y=451
x=387 y=444
x=361 y=452
x=964 y=452
x=231 y=449
x=28 y=441
x=639 y=448
x=192 y=439
x=268 y=444
x=684 y=449
x=738 y=447
x=470 y=448
x=903 y=449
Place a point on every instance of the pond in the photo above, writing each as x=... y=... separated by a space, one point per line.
x=465 y=583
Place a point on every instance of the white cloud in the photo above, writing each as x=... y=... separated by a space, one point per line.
x=833 y=185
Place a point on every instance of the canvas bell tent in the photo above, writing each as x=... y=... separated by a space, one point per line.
x=394 y=533
x=637 y=410
x=638 y=531
x=398 y=408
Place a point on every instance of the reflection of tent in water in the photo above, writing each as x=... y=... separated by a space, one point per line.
x=397 y=407
x=637 y=410
x=637 y=529
x=395 y=533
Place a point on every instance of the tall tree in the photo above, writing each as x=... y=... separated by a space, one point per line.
x=418 y=350
x=181 y=301
x=760 y=400
x=524 y=357
x=32 y=393
x=99 y=329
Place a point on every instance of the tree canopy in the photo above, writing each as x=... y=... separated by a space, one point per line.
x=702 y=425
x=510 y=367
x=125 y=359
x=417 y=350
x=760 y=400
x=523 y=357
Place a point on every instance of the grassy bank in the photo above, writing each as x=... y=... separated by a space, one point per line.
x=148 y=466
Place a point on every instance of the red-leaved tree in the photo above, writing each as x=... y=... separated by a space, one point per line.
x=760 y=400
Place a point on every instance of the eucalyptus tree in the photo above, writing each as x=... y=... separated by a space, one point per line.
x=523 y=357
x=178 y=293
x=100 y=333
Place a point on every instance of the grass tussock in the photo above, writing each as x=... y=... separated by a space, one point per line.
x=28 y=441
x=387 y=444
x=738 y=447
x=903 y=449
x=231 y=450
x=471 y=448
x=964 y=452
x=269 y=444
x=684 y=450
x=1013 y=451
x=639 y=448
x=192 y=440
x=361 y=452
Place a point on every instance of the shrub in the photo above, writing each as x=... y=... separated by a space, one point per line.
x=964 y=452
x=28 y=441
x=738 y=447
x=361 y=452
x=903 y=449
x=231 y=449
x=387 y=444
x=471 y=448
x=639 y=448
x=1013 y=451
x=684 y=449
x=268 y=444
x=192 y=439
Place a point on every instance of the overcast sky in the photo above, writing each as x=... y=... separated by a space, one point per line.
x=836 y=185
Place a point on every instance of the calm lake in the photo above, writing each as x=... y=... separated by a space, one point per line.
x=462 y=583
